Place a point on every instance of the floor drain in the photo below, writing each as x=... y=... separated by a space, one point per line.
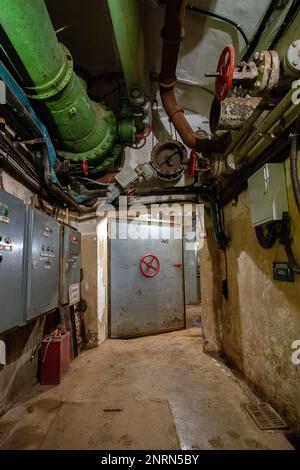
x=5 y=427
x=264 y=416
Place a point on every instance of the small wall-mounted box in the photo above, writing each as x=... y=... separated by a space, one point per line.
x=268 y=194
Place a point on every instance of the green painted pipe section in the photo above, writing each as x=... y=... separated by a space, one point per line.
x=86 y=130
x=127 y=25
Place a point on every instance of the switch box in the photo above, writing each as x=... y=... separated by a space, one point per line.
x=70 y=265
x=43 y=260
x=12 y=232
x=268 y=194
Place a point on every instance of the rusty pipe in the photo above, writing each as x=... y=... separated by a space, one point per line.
x=172 y=34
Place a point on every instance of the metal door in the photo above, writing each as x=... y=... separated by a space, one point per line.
x=142 y=302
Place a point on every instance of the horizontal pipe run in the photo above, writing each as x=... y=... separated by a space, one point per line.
x=205 y=195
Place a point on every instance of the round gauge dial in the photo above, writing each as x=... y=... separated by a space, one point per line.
x=167 y=159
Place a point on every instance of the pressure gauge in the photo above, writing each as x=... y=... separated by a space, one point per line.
x=168 y=158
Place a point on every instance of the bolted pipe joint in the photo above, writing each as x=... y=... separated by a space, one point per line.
x=84 y=129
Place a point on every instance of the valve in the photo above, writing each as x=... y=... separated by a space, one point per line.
x=149 y=265
x=85 y=168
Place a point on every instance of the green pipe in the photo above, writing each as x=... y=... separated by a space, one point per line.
x=127 y=25
x=86 y=130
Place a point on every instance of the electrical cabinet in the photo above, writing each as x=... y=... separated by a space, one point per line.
x=268 y=194
x=70 y=266
x=43 y=263
x=12 y=232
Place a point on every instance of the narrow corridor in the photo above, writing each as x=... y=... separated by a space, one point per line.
x=156 y=392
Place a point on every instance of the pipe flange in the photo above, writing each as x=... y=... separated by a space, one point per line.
x=58 y=83
x=291 y=61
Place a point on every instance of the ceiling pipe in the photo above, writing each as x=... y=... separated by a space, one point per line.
x=294 y=163
x=172 y=34
x=84 y=130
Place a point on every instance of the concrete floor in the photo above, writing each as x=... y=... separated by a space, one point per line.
x=157 y=392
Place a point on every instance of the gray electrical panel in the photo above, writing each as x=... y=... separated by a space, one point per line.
x=12 y=232
x=70 y=266
x=43 y=260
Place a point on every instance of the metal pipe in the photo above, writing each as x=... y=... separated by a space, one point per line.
x=294 y=163
x=85 y=129
x=172 y=35
x=127 y=25
x=41 y=130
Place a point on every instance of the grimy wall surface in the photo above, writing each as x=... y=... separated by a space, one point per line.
x=256 y=327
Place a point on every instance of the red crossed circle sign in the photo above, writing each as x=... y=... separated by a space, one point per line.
x=149 y=265
x=225 y=69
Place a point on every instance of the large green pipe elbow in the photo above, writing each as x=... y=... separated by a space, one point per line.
x=86 y=130
x=127 y=25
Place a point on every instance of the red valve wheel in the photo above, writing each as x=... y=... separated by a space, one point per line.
x=192 y=163
x=85 y=168
x=225 y=70
x=149 y=265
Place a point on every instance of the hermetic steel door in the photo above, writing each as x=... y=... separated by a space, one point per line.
x=142 y=305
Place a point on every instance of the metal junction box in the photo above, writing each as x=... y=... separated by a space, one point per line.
x=70 y=266
x=43 y=259
x=12 y=232
x=268 y=194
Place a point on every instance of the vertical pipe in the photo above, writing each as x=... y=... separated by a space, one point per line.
x=127 y=25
